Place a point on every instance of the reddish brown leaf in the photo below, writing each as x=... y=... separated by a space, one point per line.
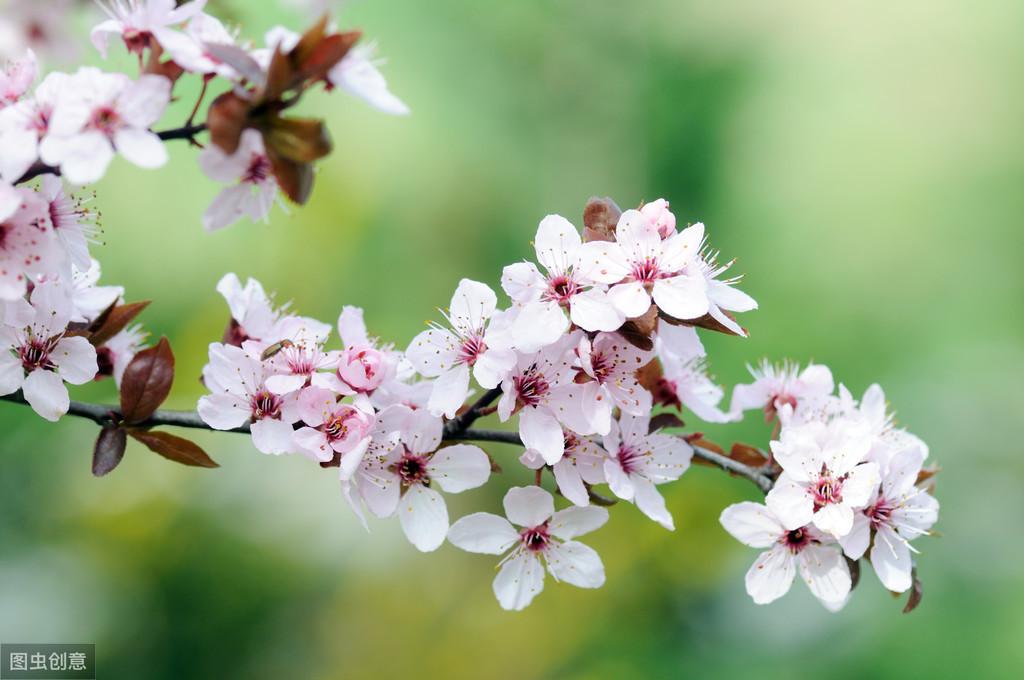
x=916 y=593
x=309 y=41
x=227 y=117
x=748 y=455
x=281 y=77
x=301 y=140
x=649 y=375
x=109 y=450
x=324 y=56
x=600 y=217
x=665 y=420
x=707 y=322
x=927 y=473
x=114 y=321
x=174 y=448
x=146 y=382
x=295 y=179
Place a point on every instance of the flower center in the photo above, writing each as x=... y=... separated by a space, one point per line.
x=535 y=539
x=106 y=120
x=602 y=366
x=259 y=169
x=337 y=426
x=629 y=459
x=646 y=271
x=136 y=40
x=530 y=387
x=796 y=540
x=560 y=289
x=35 y=354
x=880 y=513
x=827 y=490
x=412 y=469
x=471 y=349
x=265 y=405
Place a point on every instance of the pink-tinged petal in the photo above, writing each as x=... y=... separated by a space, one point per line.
x=824 y=571
x=492 y=366
x=75 y=359
x=141 y=147
x=379 y=488
x=459 y=467
x=357 y=75
x=424 y=517
x=650 y=502
x=771 y=575
x=350 y=493
x=12 y=375
x=618 y=481
x=602 y=262
x=229 y=206
x=557 y=243
x=597 y=405
x=682 y=297
x=433 y=352
x=229 y=168
x=522 y=282
x=450 y=391
x=528 y=506
x=518 y=581
x=46 y=394
x=639 y=240
x=483 y=532
x=631 y=299
x=538 y=325
x=541 y=432
x=223 y=411
x=855 y=543
x=10 y=200
x=351 y=459
x=102 y=33
x=576 y=564
x=790 y=502
x=83 y=159
x=313 y=443
x=633 y=429
x=593 y=310
x=669 y=457
x=835 y=519
x=890 y=558
x=817 y=379
x=272 y=436
x=472 y=304
x=285 y=384
x=352 y=327
x=752 y=524
x=569 y=481
x=679 y=249
x=572 y=522
x=143 y=102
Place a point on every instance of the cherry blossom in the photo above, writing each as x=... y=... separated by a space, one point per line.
x=99 y=113
x=541 y=298
x=236 y=378
x=253 y=189
x=722 y=295
x=74 y=223
x=897 y=513
x=16 y=78
x=358 y=75
x=195 y=49
x=40 y=26
x=608 y=367
x=640 y=266
x=141 y=22
x=300 y=354
x=362 y=367
x=117 y=352
x=824 y=478
x=638 y=460
x=38 y=358
x=659 y=217
x=543 y=391
x=815 y=554
x=253 y=314
x=89 y=299
x=449 y=356
x=775 y=386
x=28 y=245
x=685 y=381
x=24 y=124
x=333 y=427
x=581 y=464
x=546 y=538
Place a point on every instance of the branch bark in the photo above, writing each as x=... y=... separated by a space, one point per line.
x=457 y=430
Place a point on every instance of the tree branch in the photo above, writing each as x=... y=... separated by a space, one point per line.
x=460 y=432
x=185 y=132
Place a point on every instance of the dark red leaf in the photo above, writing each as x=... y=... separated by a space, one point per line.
x=916 y=593
x=323 y=57
x=114 y=320
x=174 y=448
x=146 y=382
x=227 y=118
x=707 y=322
x=109 y=450
x=665 y=420
x=295 y=179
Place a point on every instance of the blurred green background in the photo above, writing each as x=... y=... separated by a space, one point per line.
x=863 y=160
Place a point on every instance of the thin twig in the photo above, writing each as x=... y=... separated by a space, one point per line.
x=461 y=422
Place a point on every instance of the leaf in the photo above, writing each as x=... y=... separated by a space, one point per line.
x=109 y=450
x=927 y=473
x=665 y=420
x=227 y=117
x=324 y=56
x=916 y=593
x=707 y=322
x=114 y=320
x=174 y=448
x=636 y=337
x=300 y=140
x=146 y=382
x=748 y=455
x=295 y=179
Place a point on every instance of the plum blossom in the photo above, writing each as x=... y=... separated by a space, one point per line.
x=581 y=464
x=89 y=299
x=542 y=390
x=28 y=246
x=117 y=352
x=406 y=478
x=776 y=386
x=685 y=380
x=141 y=22
x=450 y=355
x=358 y=75
x=253 y=314
x=248 y=170
x=872 y=412
x=362 y=367
x=25 y=123
x=98 y=114
x=39 y=26
x=897 y=513
x=659 y=217
x=16 y=78
x=640 y=266
x=38 y=358
x=815 y=554
x=74 y=223
x=722 y=294
x=300 y=354
x=545 y=537
x=637 y=461
x=824 y=478
x=195 y=49
x=333 y=428
x=236 y=378
x=541 y=298
x=608 y=367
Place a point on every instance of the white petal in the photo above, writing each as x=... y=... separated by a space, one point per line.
x=592 y=310
x=472 y=304
x=143 y=102
x=223 y=411
x=541 y=432
x=860 y=484
x=682 y=297
x=285 y=384
x=528 y=506
x=575 y=521
x=227 y=207
x=790 y=502
x=83 y=159
x=568 y=479
x=519 y=581
x=433 y=352
x=618 y=481
x=449 y=391
x=557 y=243
x=576 y=564
x=538 y=325
x=459 y=467
x=602 y=262
x=650 y=502
x=630 y=298
x=141 y=147
x=272 y=436
x=752 y=524
x=424 y=517
x=492 y=366
x=12 y=374
x=483 y=532
x=771 y=575
x=351 y=327
x=522 y=282
x=891 y=560
x=856 y=542
x=835 y=519
x=825 y=572
x=46 y=394
x=679 y=249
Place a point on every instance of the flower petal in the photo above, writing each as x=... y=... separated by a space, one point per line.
x=424 y=517
x=528 y=506
x=483 y=532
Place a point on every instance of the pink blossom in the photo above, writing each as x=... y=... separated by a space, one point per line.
x=16 y=78
x=582 y=463
x=685 y=380
x=28 y=246
x=659 y=217
x=358 y=75
x=608 y=367
x=25 y=123
x=333 y=427
x=361 y=367
x=777 y=386
x=117 y=352
x=253 y=189
x=141 y=22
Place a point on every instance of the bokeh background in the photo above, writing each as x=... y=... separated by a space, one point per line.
x=863 y=160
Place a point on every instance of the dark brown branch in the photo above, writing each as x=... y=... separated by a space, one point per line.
x=186 y=132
